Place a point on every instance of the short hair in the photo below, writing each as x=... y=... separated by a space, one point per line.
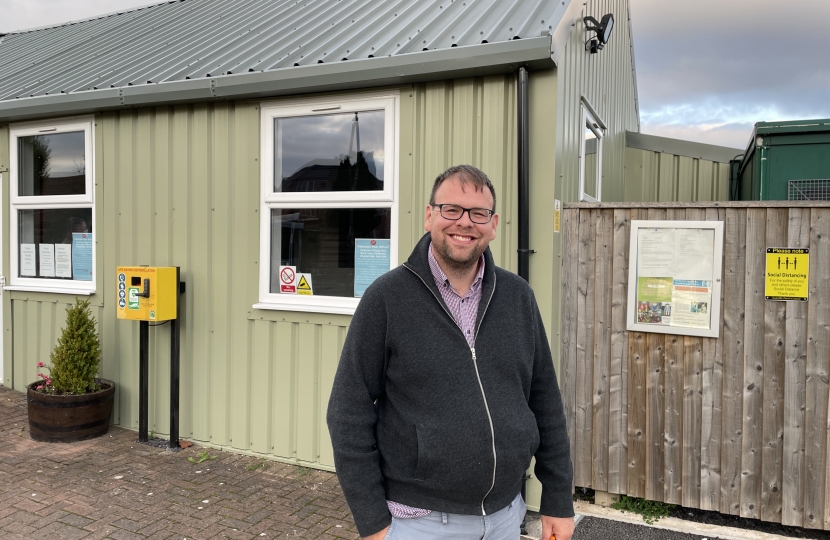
x=467 y=174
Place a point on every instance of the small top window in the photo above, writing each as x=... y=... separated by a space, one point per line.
x=590 y=158
x=308 y=148
x=52 y=164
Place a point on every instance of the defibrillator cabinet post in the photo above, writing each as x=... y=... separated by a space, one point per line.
x=146 y=294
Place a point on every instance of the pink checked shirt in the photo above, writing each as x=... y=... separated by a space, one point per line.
x=464 y=310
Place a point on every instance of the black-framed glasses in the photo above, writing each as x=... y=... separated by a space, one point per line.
x=454 y=212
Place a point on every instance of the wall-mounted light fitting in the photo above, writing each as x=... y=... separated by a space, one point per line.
x=603 y=32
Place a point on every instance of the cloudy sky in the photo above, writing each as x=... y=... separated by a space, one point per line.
x=707 y=70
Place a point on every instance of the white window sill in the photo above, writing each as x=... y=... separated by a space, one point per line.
x=308 y=307
x=54 y=290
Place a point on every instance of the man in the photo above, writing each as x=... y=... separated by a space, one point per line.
x=446 y=388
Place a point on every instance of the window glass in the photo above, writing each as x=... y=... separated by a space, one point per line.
x=52 y=164
x=329 y=152
x=55 y=243
x=321 y=242
x=590 y=157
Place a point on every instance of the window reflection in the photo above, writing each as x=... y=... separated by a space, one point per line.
x=321 y=242
x=331 y=152
x=590 y=162
x=52 y=164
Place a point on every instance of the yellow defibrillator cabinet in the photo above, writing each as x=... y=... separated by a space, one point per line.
x=147 y=293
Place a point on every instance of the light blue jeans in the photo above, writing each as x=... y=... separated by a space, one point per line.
x=502 y=525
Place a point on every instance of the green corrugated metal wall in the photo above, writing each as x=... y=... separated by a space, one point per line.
x=658 y=176
x=179 y=186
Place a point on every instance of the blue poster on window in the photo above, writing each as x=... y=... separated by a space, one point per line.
x=82 y=256
x=371 y=260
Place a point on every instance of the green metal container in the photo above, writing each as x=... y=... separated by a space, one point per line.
x=785 y=161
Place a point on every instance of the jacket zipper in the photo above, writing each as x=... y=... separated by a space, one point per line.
x=484 y=396
x=478 y=375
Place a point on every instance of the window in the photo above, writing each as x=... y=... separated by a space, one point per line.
x=590 y=157
x=52 y=207
x=328 y=208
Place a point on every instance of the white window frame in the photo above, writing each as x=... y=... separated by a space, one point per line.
x=590 y=120
x=31 y=202
x=389 y=102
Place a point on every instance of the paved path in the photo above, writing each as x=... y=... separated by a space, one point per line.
x=112 y=487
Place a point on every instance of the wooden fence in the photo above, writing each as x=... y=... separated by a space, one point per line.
x=737 y=424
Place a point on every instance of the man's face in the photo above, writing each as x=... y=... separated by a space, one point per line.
x=459 y=244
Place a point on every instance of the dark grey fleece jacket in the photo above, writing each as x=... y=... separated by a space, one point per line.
x=418 y=417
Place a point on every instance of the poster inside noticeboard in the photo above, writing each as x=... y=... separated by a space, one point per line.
x=674 y=277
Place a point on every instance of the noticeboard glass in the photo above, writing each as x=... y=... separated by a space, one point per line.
x=674 y=284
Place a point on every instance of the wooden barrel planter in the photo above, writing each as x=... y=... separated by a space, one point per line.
x=68 y=418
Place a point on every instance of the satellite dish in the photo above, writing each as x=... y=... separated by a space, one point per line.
x=602 y=29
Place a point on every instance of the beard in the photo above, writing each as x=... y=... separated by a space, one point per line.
x=457 y=263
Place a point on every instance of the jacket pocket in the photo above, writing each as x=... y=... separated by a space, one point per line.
x=422 y=465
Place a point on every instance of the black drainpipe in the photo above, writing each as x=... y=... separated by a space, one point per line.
x=524 y=175
x=524 y=202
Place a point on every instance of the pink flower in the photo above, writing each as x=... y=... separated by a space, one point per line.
x=48 y=381
x=41 y=364
x=40 y=375
x=39 y=387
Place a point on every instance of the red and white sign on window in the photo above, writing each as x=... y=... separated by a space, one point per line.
x=288 y=279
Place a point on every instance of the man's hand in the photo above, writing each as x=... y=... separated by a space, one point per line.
x=563 y=528
x=380 y=535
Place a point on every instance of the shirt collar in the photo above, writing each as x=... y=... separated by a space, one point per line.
x=441 y=278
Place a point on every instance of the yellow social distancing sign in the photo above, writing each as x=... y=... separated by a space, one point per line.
x=787 y=274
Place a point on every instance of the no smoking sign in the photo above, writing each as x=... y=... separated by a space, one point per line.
x=288 y=279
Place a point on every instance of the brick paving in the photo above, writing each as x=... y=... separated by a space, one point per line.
x=113 y=487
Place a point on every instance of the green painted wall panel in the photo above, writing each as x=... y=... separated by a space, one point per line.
x=283 y=389
x=657 y=176
x=468 y=121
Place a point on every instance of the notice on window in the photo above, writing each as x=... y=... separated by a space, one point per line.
x=47 y=260
x=304 y=285
x=675 y=269
x=27 y=260
x=63 y=260
x=288 y=280
x=82 y=256
x=372 y=258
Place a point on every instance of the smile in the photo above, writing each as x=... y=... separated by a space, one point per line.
x=461 y=238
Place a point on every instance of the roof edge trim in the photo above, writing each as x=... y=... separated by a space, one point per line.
x=679 y=147
x=456 y=62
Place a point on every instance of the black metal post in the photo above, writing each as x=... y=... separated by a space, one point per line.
x=524 y=199
x=175 y=334
x=524 y=173
x=143 y=379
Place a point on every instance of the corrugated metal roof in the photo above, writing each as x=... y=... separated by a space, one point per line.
x=197 y=39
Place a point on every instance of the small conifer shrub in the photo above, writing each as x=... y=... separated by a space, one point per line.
x=77 y=355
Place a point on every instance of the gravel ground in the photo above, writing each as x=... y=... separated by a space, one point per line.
x=723 y=520
x=591 y=528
